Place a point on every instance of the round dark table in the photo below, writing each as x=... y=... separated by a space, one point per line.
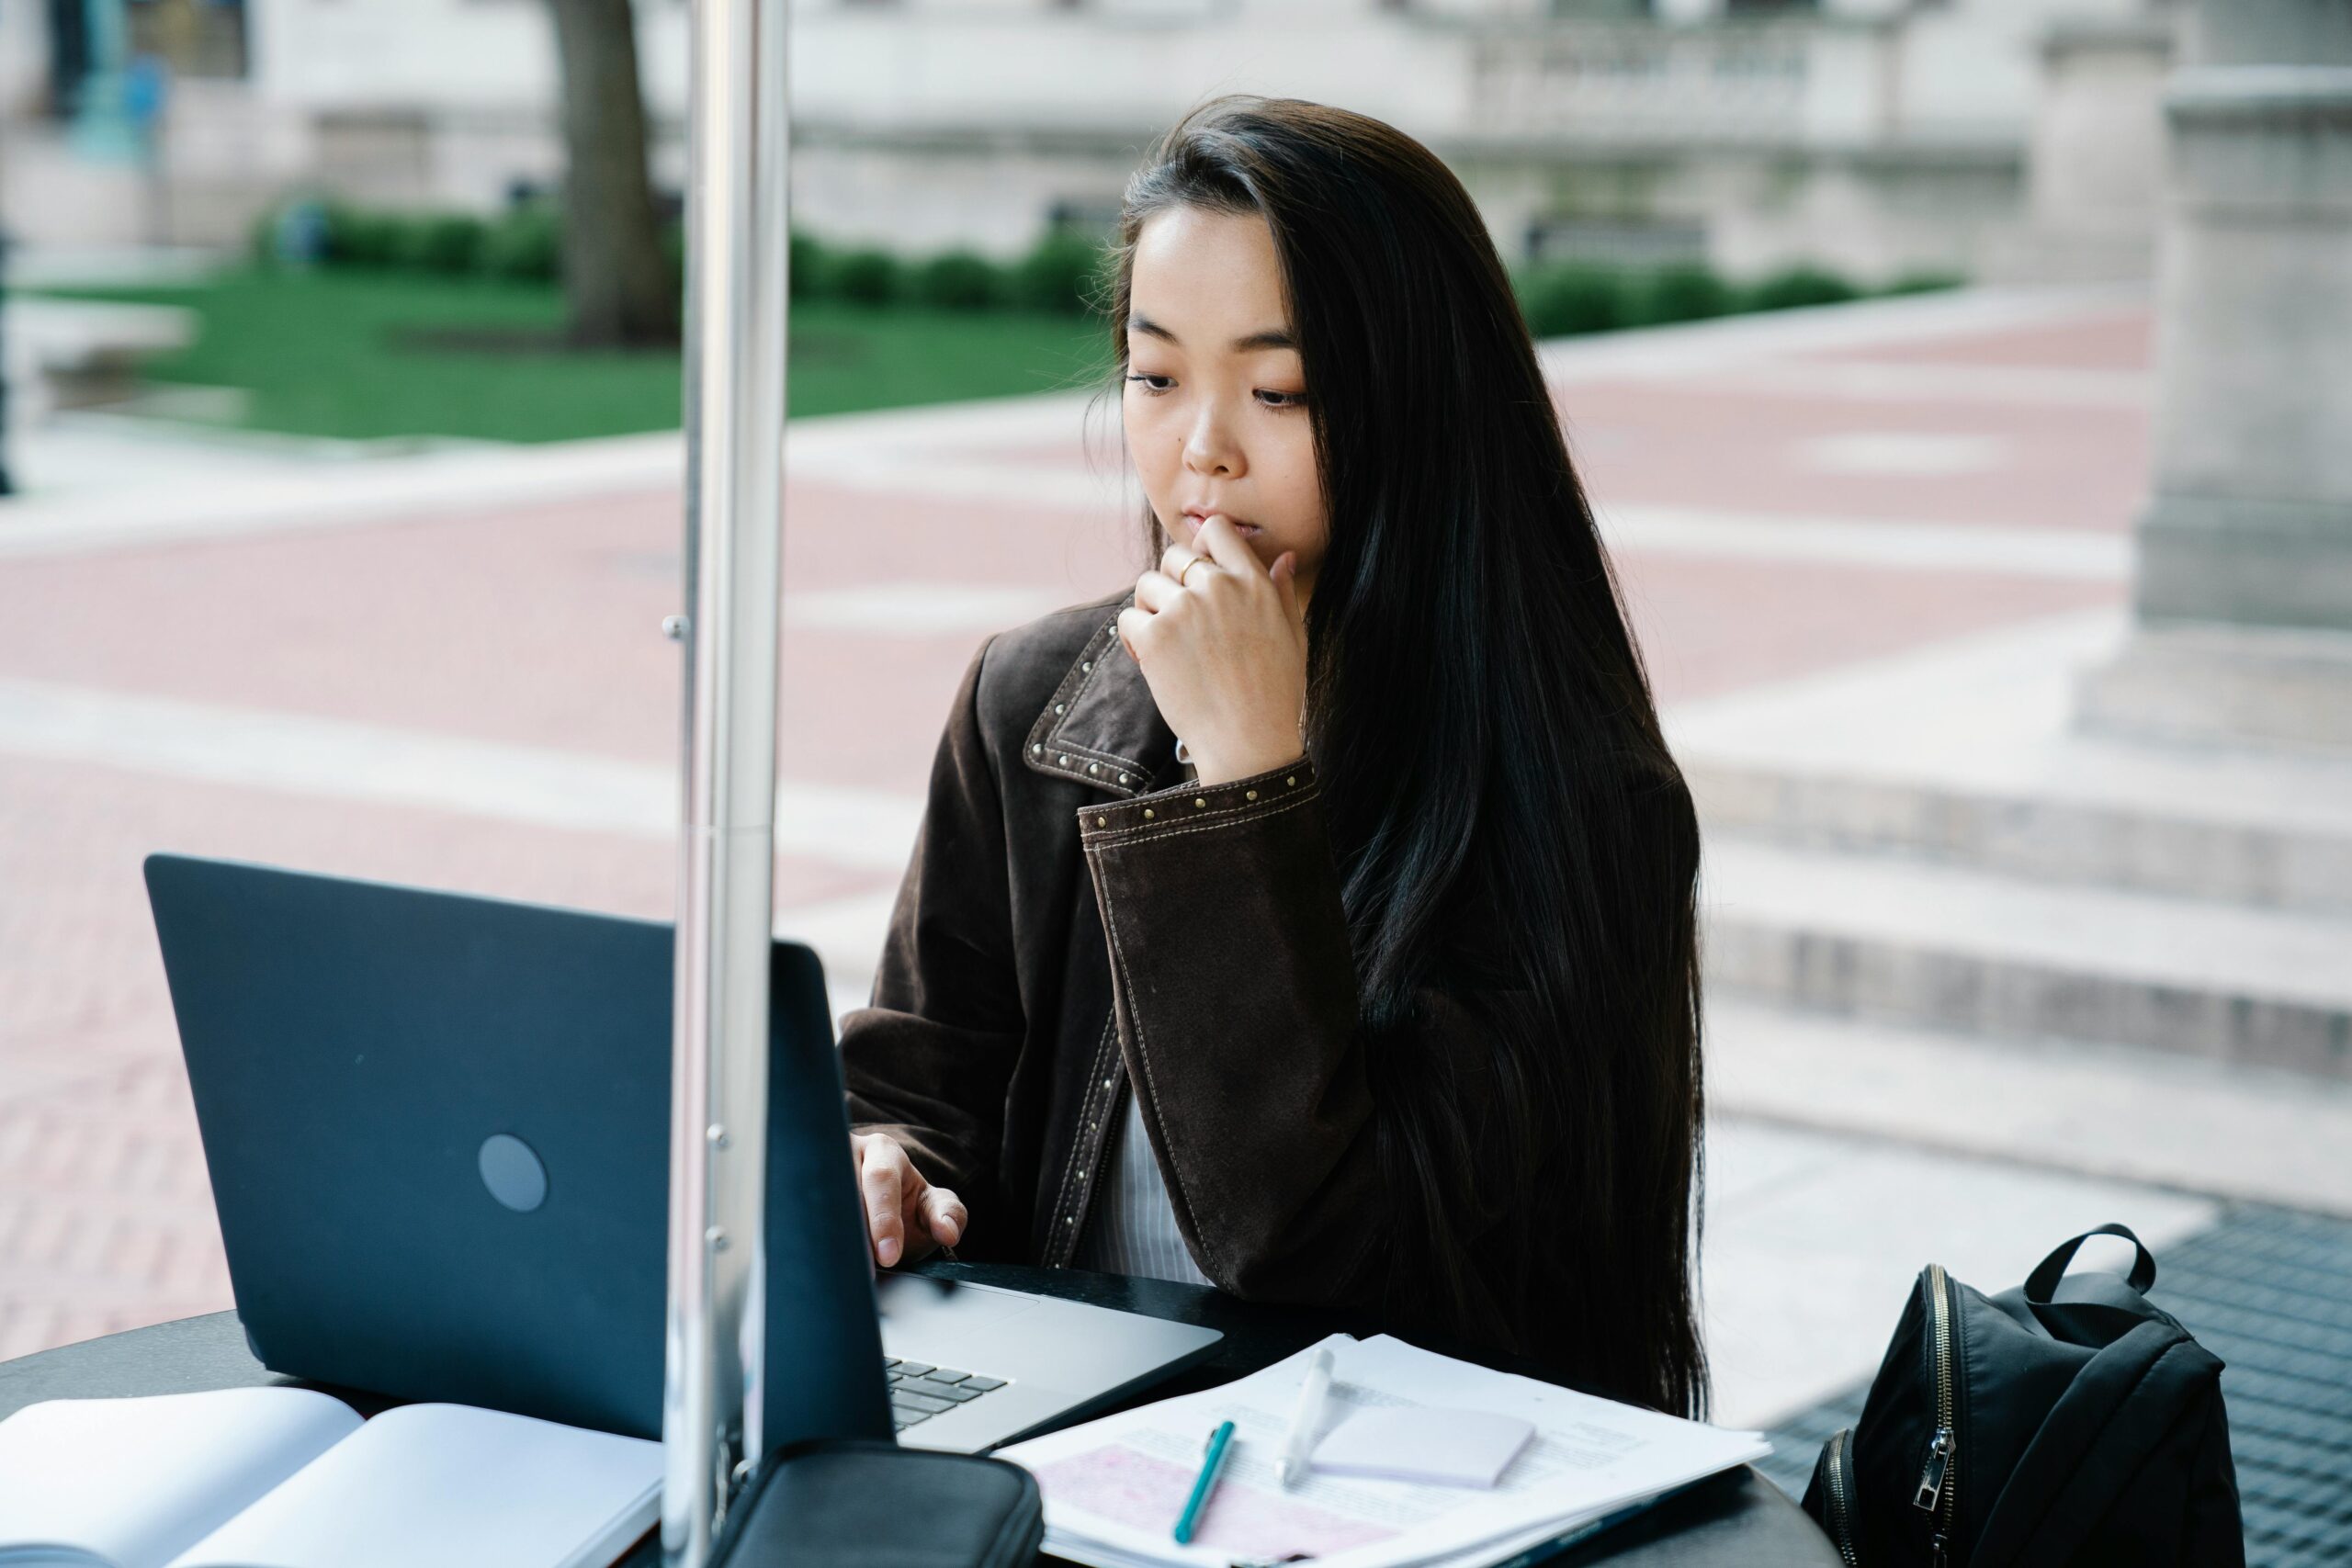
x=1734 y=1520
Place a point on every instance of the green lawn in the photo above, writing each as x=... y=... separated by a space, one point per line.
x=361 y=354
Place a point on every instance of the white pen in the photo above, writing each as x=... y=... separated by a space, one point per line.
x=1306 y=1417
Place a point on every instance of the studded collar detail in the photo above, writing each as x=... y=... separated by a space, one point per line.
x=1101 y=726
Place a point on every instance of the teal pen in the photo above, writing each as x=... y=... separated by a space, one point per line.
x=1219 y=1441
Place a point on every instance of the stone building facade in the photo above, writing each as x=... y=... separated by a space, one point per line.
x=1878 y=137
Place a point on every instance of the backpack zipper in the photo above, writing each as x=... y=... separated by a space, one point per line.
x=1939 y=1484
x=1841 y=1522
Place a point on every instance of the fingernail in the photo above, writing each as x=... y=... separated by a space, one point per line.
x=890 y=1251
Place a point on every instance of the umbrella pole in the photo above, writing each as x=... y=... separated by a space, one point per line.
x=736 y=294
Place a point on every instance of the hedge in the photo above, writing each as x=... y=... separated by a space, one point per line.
x=1064 y=272
x=1566 y=298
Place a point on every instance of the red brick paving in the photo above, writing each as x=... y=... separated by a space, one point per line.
x=2120 y=340
x=538 y=626
x=1711 y=626
x=1662 y=443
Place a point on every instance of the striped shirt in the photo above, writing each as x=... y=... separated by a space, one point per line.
x=1133 y=1227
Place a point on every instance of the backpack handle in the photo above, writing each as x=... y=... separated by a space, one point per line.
x=2043 y=1280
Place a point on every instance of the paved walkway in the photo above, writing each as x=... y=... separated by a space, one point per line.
x=446 y=668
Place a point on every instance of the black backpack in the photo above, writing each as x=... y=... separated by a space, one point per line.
x=2065 y=1422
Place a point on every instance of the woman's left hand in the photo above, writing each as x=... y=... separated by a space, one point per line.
x=1224 y=651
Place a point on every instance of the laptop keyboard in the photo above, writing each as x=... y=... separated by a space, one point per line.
x=919 y=1392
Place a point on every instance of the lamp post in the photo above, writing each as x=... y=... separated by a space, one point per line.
x=736 y=300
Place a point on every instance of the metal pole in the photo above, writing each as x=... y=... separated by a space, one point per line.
x=7 y=484
x=735 y=295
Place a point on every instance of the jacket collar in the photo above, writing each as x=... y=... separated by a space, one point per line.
x=1101 y=727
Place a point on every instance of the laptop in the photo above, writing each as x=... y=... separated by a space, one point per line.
x=439 y=1126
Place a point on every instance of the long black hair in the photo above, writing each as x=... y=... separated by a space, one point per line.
x=1510 y=826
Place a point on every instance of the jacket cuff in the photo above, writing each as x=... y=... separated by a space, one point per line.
x=1193 y=808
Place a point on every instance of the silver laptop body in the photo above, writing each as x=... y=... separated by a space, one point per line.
x=972 y=1366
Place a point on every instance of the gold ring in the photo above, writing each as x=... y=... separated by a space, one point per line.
x=1196 y=560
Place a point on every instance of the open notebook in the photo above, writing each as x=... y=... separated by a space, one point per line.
x=290 y=1478
x=1112 y=1487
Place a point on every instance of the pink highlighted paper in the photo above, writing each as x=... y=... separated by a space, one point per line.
x=1118 y=1482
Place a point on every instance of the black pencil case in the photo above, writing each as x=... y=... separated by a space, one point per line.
x=865 y=1503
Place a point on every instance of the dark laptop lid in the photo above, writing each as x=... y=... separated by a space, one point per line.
x=437 y=1129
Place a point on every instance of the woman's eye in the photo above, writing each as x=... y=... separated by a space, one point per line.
x=1288 y=399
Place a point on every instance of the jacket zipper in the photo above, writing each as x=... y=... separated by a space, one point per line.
x=1938 y=1483
x=1841 y=1522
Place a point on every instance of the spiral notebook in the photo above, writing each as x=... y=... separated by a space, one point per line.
x=292 y=1478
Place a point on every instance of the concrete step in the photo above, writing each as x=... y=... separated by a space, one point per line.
x=1907 y=941
x=1966 y=754
x=2175 y=826
x=2109 y=1111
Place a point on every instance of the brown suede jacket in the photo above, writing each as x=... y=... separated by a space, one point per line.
x=1078 y=923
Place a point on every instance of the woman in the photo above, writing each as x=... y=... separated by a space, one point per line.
x=1378 y=988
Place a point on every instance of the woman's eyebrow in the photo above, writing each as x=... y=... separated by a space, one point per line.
x=1265 y=337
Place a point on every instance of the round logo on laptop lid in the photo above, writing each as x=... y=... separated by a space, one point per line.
x=513 y=1172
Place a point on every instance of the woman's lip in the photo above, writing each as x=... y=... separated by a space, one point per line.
x=1196 y=518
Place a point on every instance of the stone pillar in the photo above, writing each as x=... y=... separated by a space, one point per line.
x=2094 y=163
x=2242 y=627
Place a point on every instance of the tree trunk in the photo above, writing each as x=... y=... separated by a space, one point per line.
x=617 y=282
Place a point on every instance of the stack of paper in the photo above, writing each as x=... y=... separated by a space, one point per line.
x=1114 y=1487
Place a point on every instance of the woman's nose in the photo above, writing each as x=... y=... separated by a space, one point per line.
x=1209 y=449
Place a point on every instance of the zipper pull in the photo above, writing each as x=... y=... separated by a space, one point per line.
x=1931 y=1478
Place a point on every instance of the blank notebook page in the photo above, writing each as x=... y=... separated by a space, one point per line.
x=453 y=1487
x=131 y=1481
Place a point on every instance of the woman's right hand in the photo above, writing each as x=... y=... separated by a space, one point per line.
x=906 y=1216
